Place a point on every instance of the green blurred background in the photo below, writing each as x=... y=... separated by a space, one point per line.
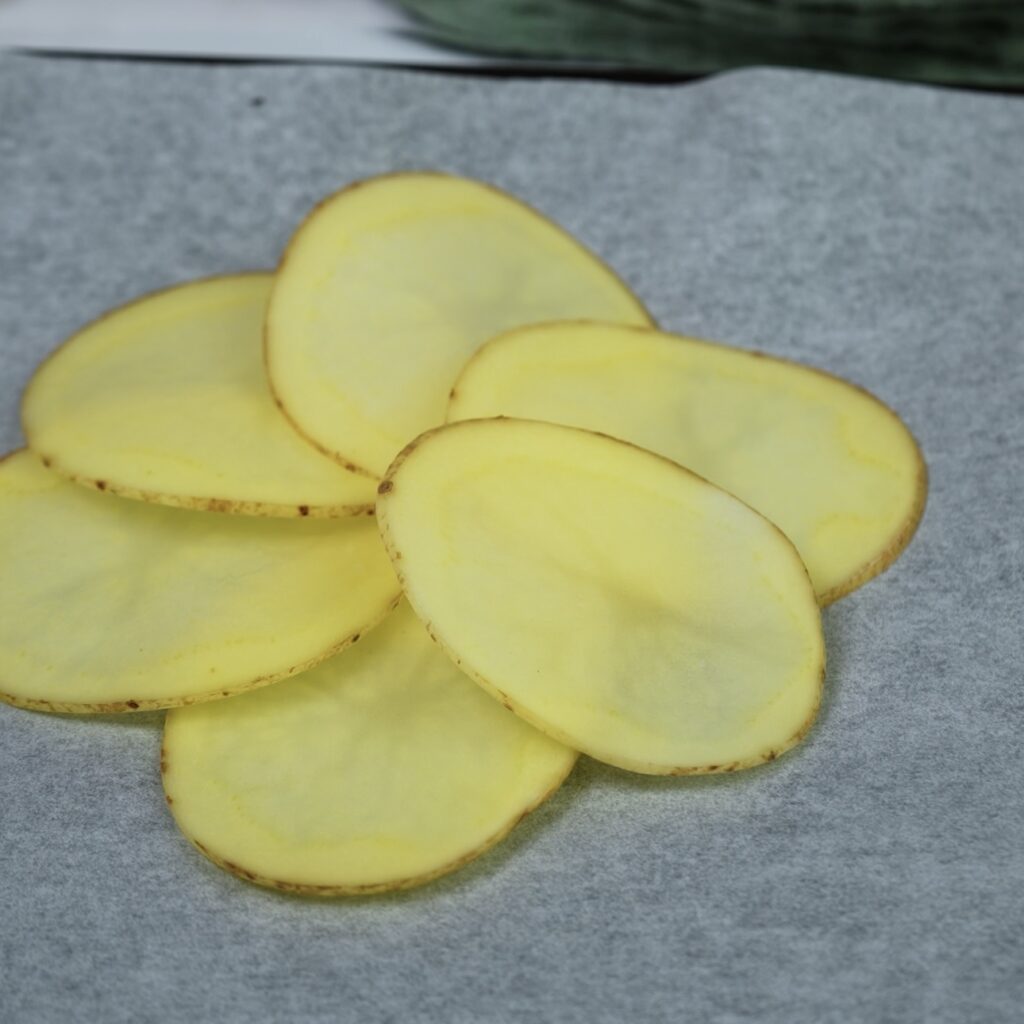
x=956 y=42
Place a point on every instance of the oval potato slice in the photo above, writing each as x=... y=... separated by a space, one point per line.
x=381 y=769
x=615 y=600
x=835 y=469
x=392 y=283
x=111 y=605
x=166 y=400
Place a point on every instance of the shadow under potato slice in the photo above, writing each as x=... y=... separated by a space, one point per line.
x=836 y=470
x=109 y=605
x=610 y=597
x=381 y=769
x=166 y=400
x=388 y=287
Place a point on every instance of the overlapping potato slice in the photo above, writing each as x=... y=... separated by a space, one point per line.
x=166 y=400
x=828 y=463
x=112 y=605
x=620 y=603
x=391 y=284
x=381 y=769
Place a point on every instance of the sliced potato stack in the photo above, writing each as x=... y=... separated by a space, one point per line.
x=166 y=400
x=833 y=467
x=621 y=604
x=383 y=768
x=615 y=601
x=112 y=605
x=391 y=284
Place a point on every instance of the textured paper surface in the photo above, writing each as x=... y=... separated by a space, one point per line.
x=876 y=873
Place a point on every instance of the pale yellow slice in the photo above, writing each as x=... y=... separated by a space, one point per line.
x=381 y=769
x=835 y=469
x=391 y=284
x=113 y=605
x=623 y=605
x=166 y=400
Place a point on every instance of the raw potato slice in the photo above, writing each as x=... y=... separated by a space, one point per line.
x=112 y=605
x=391 y=284
x=620 y=603
x=166 y=400
x=380 y=769
x=833 y=467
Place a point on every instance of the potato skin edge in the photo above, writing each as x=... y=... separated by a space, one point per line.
x=899 y=543
x=195 y=503
x=130 y=706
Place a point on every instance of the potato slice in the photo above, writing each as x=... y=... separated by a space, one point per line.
x=615 y=600
x=388 y=287
x=380 y=769
x=112 y=605
x=833 y=467
x=166 y=400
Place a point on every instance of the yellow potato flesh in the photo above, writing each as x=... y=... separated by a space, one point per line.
x=113 y=605
x=833 y=467
x=166 y=400
x=623 y=605
x=380 y=769
x=390 y=285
